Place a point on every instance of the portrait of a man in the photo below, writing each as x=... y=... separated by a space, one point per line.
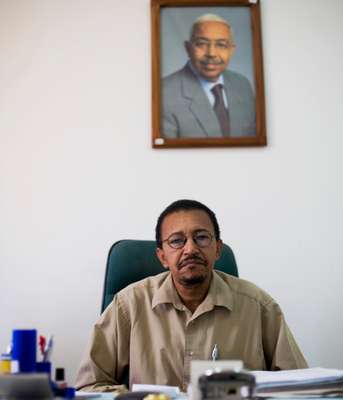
x=205 y=98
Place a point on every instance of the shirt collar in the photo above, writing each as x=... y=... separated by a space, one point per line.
x=167 y=293
x=219 y=294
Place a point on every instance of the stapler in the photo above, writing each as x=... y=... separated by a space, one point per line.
x=226 y=385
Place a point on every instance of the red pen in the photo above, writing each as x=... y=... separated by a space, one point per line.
x=42 y=343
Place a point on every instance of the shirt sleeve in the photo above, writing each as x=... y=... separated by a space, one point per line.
x=280 y=348
x=107 y=356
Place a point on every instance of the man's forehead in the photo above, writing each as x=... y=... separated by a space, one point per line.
x=183 y=220
x=212 y=29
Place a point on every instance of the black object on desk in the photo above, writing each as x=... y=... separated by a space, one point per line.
x=226 y=385
x=30 y=386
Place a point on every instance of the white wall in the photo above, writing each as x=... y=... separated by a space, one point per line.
x=77 y=171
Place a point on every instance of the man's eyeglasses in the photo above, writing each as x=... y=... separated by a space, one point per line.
x=205 y=44
x=178 y=240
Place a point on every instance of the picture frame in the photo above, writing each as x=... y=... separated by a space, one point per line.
x=182 y=112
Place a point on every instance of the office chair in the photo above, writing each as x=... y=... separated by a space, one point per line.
x=132 y=260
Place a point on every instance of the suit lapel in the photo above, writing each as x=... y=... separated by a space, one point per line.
x=235 y=101
x=199 y=104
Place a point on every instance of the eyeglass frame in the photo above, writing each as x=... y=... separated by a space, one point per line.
x=187 y=238
x=218 y=43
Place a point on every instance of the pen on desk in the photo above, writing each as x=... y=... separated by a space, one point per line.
x=48 y=349
x=215 y=353
x=9 y=348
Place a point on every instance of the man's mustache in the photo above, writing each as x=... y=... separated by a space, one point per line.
x=191 y=259
x=211 y=61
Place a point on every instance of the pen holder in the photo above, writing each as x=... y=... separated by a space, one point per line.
x=24 y=349
x=44 y=366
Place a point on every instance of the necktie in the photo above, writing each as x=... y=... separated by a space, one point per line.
x=220 y=110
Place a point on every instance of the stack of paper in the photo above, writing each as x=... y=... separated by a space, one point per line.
x=94 y=396
x=298 y=380
x=171 y=391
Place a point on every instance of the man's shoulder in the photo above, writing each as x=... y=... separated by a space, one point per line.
x=236 y=79
x=229 y=73
x=145 y=286
x=134 y=299
x=245 y=289
x=177 y=76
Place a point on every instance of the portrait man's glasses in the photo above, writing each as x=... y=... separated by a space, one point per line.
x=206 y=44
x=178 y=240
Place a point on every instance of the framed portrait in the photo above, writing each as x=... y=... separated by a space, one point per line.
x=207 y=74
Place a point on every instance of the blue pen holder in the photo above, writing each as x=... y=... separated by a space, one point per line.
x=24 y=349
x=44 y=366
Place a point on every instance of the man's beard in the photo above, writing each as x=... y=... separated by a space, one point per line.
x=194 y=281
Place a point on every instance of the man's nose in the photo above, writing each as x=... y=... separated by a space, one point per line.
x=211 y=50
x=190 y=247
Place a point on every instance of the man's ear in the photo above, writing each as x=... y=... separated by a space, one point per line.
x=219 y=247
x=161 y=257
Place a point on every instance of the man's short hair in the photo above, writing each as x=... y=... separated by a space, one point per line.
x=185 y=205
x=209 y=18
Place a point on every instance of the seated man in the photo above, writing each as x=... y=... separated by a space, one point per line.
x=158 y=325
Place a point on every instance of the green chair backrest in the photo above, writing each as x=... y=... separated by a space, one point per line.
x=132 y=260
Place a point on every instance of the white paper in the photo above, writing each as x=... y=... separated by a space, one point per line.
x=94 y=395
x=297 y=376
x=171 y=391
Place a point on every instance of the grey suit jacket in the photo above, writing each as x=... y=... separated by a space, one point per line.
x=187 y=112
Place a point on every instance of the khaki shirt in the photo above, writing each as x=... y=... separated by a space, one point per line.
x=149 y=329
